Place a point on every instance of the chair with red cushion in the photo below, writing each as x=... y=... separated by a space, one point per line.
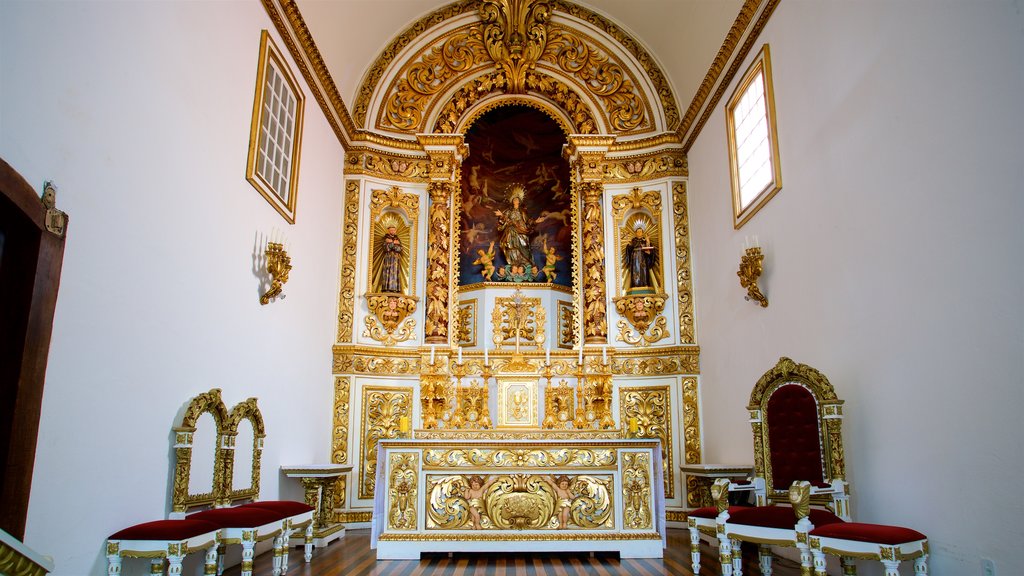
x=706 y=520
x=890 y=545
x=163 y=539
x=798 y=448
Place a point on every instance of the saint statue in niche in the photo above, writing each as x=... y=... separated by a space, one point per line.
x=391 y=277
x=390 y=259
x=514 y=232
x=640 y=258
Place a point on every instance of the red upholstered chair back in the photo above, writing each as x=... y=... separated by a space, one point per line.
x=794 y=436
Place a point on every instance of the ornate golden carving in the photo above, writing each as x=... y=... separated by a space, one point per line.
x=514 y=35
x=518 y=457
x=605 y=79
x=247 y=410
x=684 y=284
x=519 y=502
x=350 y=517
x=465 y=323
x=566 y=315
x=451 y=434
x=738 y=29
x=347 y=296
x=517 y=402
x=207 y=402
x=278 y=265
x=636 y=490
x=639 y=311
x=559 y=405
x=471 y=407
x=383 y=408
x=574 y=108
x=339 y=443
x=645 y=167
x=751 y=266
x=456 y=55
x=387 y=165
x=367 y=360
x=402 y=491
x=636 y=199
x=391 y=322
x=503 y=537
x=439 y=261
x=800 y=498
x=675 y=360
x=595 y=324
x=517 y=318
x=650 y=407
x=691 y=438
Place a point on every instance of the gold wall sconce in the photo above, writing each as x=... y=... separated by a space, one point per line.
x=751 y=267
x=279 y=264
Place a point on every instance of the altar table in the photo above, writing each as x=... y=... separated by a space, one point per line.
x=519 y=496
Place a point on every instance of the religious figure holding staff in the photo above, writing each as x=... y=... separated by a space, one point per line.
x=514 y=232
x=639 y=258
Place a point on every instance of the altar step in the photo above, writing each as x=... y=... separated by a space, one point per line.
x=352 y=556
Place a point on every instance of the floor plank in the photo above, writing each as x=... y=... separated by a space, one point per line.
x=351 y=556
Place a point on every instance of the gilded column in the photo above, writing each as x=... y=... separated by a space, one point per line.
x=446 y=152
x=586 y=158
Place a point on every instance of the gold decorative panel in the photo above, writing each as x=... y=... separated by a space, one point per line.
x=382 y=409
x=347 y=296
x=684 y=282
x=520 y=502
x=465 y=322
x=339 y=438
x=518 y=457
x=402 y=490
x=517 y=402
x=636 y=491
x=392 y=207
x=691 y=438
x=565 y=321
x=649 y=410
x=517 y=320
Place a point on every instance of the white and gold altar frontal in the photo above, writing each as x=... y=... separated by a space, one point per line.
x=539 y=495
x=521 y=291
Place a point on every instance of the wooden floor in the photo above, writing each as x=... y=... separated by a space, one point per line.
x=352 y=556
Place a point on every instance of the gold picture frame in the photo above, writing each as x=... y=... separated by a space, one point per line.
x=275 y=134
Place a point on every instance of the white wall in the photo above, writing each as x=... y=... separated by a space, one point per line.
x=893 y=261
x=140 y=113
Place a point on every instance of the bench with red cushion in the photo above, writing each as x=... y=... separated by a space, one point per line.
x=888 y=544
x=166 y=539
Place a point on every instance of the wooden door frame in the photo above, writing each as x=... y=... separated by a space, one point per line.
x=29 y=279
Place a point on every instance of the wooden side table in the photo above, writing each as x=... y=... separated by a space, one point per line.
x=707 y=473
x=319 y=481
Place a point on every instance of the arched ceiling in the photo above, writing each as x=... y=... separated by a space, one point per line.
x=683 y=36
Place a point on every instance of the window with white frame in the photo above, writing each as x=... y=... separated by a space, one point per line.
x=275 y=136
x=753 y=144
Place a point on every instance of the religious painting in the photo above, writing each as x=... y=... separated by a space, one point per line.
x=516 y=209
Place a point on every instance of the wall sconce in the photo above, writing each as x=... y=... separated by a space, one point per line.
x=751 y=266
x=279 y=264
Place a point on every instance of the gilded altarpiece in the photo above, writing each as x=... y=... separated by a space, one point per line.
x=383 y=409
x=646 y=412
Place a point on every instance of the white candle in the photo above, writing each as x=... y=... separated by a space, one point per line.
x=581 y=354
x=485 y=353
x=746 y=243
x=460 y=354
x=756 y=243
x=547 y=355
x=432 y=355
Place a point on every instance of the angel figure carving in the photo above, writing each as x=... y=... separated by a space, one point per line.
x=550 y=260
x=486 y=259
